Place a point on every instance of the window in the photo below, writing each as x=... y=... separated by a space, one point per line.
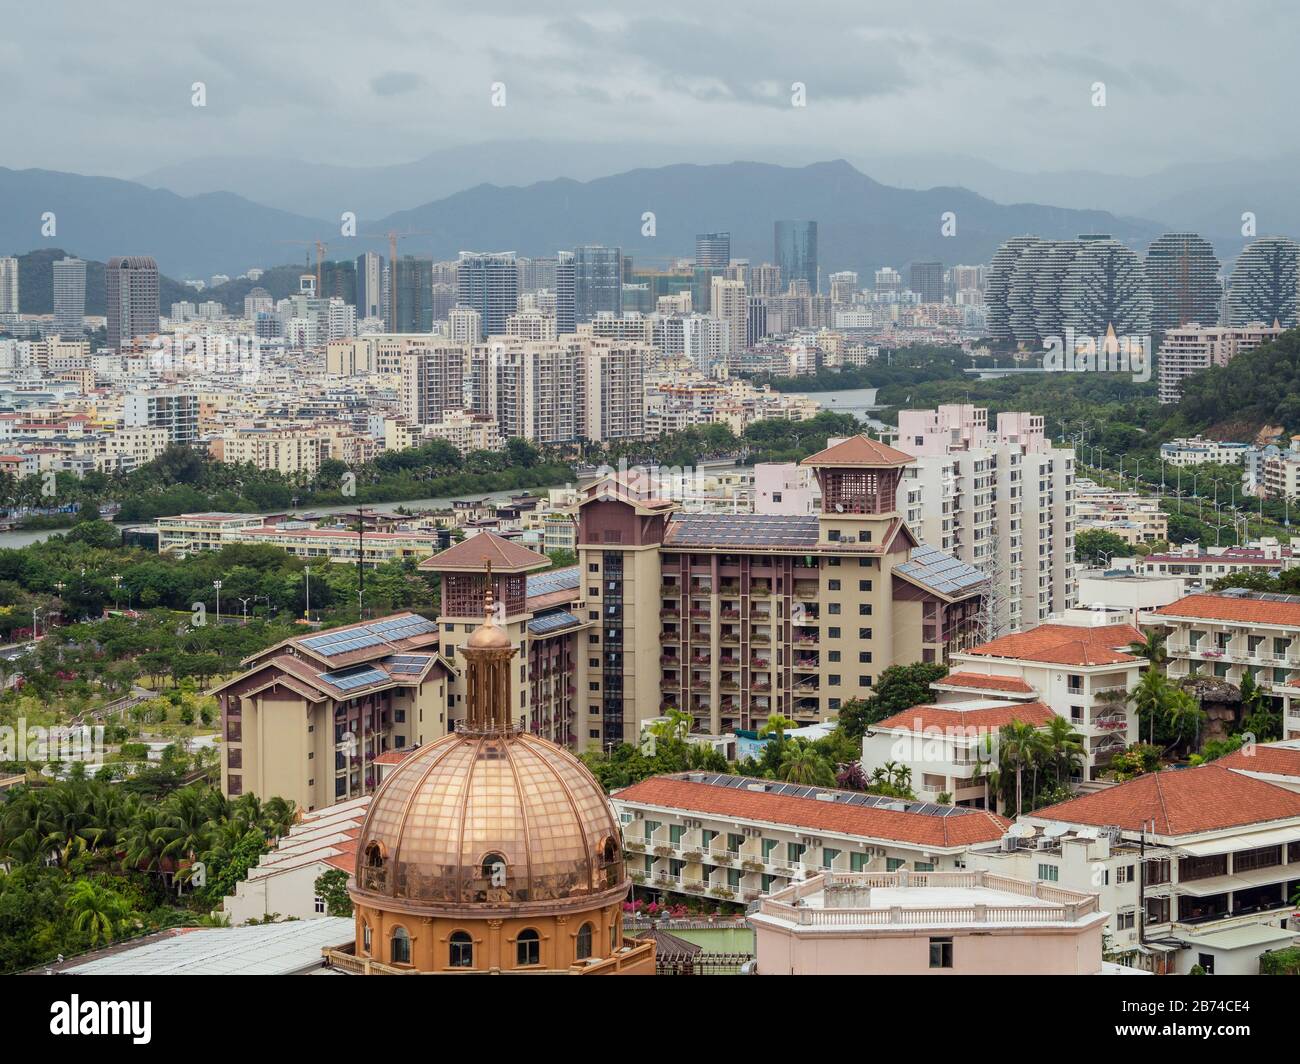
x=399 y=951
x=864 y=657
x=864 y=633
x=923 y=866
x=941 y=953
x=528 y=949
x=1125 y=921
x=1124 y=874
x=318 y=903
x=864 y=609
x=832 y=585
x=1049 y=873
x=365 y=938
x=893 y=864
x=864 y=585
x=832 y=633
x=833 y=608
x=835 y=655
x=460 y=950
x=583 y=948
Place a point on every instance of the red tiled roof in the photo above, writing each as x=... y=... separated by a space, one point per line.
x=473 y=554
x=1183 y=801
x=950 y=720
x=858 y=450
x=985 y=681
x=395 y=757
x=1065 y=644
x=1232 y=608
x=1274 y=760
x=917 y=828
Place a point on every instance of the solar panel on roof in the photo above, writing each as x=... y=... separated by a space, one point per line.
x=407 y=663
x=552 y=622
x=554 y=580
x=353 y=678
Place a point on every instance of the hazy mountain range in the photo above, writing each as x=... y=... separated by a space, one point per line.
x=863 y=223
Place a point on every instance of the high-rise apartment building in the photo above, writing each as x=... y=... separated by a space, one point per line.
x=414 y=280
x=729 y=302
x=844 y=286
x=597 y=281
x=8 y=285
x=927 y=281
x=175 y=411
x=713 y=249
x=370 y=285
x=1000 y=499
x=1183 y=274
x=1263 y=286
x=1193 y=348
x=131 y=295
x=565 y=306
x=489 y=283
x=70 y=297
x=796 y=251
x=432 y=382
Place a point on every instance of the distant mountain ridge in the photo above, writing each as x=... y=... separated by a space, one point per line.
x=863 y=224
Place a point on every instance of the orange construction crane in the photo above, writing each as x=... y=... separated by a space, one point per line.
x=392 y=236
x=320 y=246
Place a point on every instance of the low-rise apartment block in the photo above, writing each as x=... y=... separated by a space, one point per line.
x=736 y=838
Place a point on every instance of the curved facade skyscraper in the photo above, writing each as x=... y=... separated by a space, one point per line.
x=998 y=285
x=796 y=252
x=1264 y=280
x=1047 y=293
x=1183 y=274
x=1020 y=293
x=1105 y=287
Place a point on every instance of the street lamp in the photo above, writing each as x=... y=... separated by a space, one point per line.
x=117 y=591
x=217 y=584
x=245 y=602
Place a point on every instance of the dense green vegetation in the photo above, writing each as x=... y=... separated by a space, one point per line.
x=84 y=863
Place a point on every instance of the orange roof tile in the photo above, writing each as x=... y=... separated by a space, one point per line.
x=950 y=720
x=918 y=828
x=1232 y=608
x=985 y=681
x=1065 y=644
x=473 y=554
x=860 y=450
x=1184 y=801
x=395 y=757
x=1274 y=760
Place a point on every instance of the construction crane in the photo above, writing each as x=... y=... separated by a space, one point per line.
x=320 y=255
x=392 y=236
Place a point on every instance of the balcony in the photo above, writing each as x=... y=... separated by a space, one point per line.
x=805 y=590
x=670 y=613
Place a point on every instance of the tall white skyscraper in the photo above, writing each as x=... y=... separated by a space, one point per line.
x=8 y=286
x=70 y=297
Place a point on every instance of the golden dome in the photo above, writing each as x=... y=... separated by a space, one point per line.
x=491 y=820
x=487 y=636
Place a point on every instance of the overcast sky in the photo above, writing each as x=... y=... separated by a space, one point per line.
x=106 y=88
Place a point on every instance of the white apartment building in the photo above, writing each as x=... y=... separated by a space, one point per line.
x=432 y=382
x=1194 y=866
x=177 y=412
x=1227 y=634
x=736 y=838
x=466 y=431
x=1197 y=450
x=1196 y=567
x=1078 y=670
x=1001 y=499
x=1192 y=348
x=8 y=285
x=729 y=302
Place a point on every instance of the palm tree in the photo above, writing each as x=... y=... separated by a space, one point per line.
x=802 y=764
x=777 y=725
x=99 y=913
x=1151 y=697
x=1019 y=746
x=1064 y=747
x=1151 y=648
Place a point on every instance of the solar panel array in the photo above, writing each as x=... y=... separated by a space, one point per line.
x=797 y=790
x=331 y=644
x=552 y=622
x=350 y=679
x=554 y=580
x=795 y=531
x=407 y=663
x=940 y=571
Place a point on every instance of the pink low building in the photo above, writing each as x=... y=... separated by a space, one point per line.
x=928 y=923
